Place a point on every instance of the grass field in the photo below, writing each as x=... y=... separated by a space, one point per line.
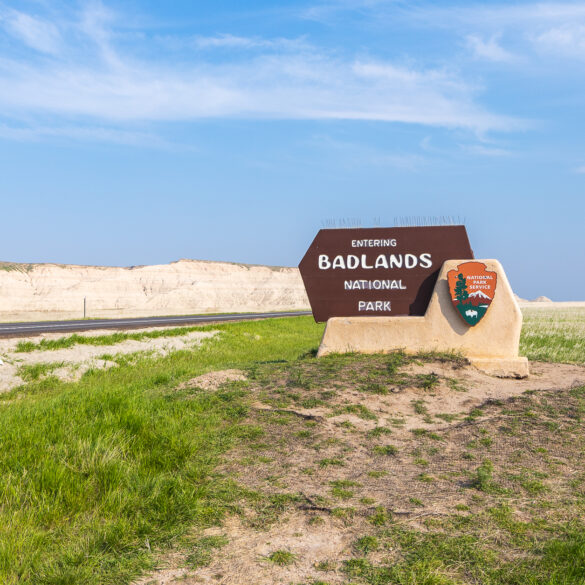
x=94 y=475
x=554 y=335
x=98 y=477
x=111 y=339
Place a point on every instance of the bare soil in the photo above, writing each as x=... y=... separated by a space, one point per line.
x=349 y=445
x=76 y=360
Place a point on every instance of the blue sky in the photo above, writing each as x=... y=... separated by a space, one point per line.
x=143 y=132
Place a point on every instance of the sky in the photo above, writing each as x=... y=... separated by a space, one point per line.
x=142 y=132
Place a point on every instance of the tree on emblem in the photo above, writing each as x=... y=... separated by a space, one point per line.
x=461 y=289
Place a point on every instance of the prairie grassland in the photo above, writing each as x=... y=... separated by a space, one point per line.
x=554 y=335
x=98 y=476
x=95 y=474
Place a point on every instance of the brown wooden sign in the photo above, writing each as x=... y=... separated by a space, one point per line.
x=378 y=271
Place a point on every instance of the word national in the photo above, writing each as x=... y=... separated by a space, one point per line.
x=353 y=262
x=373 y=285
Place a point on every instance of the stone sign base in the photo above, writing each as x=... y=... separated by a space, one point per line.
x=491 y=345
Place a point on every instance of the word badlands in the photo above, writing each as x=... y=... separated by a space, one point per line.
x=352 y=262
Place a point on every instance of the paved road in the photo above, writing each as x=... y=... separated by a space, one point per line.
x=34 y=328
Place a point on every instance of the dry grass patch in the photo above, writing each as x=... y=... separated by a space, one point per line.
x=461 y=498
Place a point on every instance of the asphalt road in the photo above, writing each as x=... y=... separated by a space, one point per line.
x=34 y=328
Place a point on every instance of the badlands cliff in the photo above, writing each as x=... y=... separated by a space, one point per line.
x=30 y=292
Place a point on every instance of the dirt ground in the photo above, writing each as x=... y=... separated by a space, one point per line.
x=347 y=446
x=72 y=362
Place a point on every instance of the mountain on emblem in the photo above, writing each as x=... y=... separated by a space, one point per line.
x=472 y=290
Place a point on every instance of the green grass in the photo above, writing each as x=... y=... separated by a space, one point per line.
x=96 y=474
x=435 y=558
x=201 y=553
x=111 y=339
x=554 y=335
x=282 y=558
x=33 y=372
x=483 y=479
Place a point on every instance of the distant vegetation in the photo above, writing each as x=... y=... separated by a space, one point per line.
x=554 y=335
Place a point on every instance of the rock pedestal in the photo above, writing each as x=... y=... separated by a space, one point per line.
x=491 y=345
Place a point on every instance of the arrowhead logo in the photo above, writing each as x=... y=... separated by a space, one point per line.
x=472 y=290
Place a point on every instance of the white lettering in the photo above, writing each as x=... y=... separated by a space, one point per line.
x=410 y=261
x=385 y=243
x=364 y=262
x=324 y=263
x=381 y=262
x=338 y=262
x=373 y=285
x=395 y=261
x=352 y=262
x=375 y=306
x=425 y=260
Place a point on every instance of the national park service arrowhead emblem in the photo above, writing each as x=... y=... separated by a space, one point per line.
x=472 y=290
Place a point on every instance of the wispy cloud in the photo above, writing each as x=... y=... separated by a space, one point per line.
x=323 y=11
x=34 y=32
x=100 y=82
x=489 y=49
x=542 y=26
x=483 y=150
x=104 y=134
x=580 y=170
x=229 y=41
x=496 y=15
x=568 y=40
x=546 y=27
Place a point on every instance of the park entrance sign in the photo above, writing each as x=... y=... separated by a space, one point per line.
x=375 y=272
x=415 y=289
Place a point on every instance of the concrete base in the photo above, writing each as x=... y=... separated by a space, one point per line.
x=492 y=345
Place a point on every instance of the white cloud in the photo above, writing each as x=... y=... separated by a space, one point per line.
x=229 y=41
x=489 y=50
x=553 y=27
x=483 y=150
x=325 y=10
x=580 y=170
x=568 y=39
x=95 y=21
x=120 y=87
x=88 y=133
x=503 y=15
x=277 y=87
x=37 y=34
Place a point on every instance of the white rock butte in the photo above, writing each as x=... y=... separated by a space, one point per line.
x=30 y=292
